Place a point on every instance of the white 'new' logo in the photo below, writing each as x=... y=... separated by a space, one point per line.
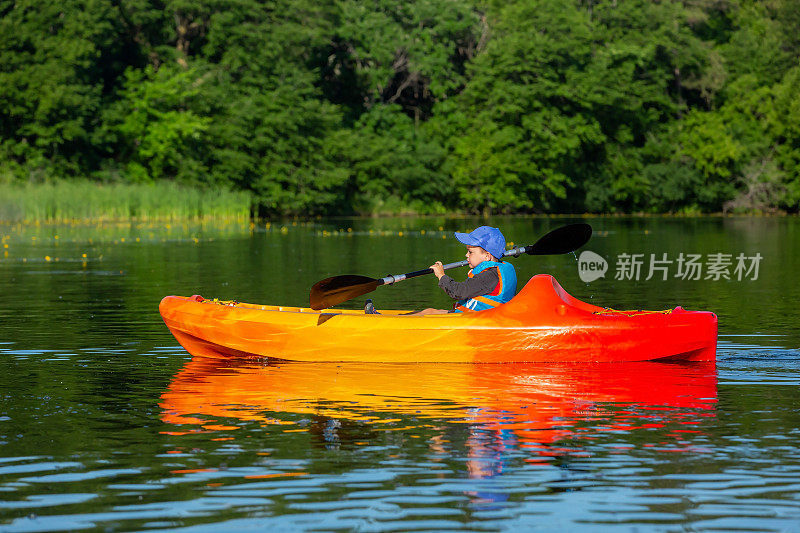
x=591 y=266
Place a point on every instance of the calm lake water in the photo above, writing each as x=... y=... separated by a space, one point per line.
x=107 y=423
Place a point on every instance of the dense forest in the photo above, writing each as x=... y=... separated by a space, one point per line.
x=348 y=106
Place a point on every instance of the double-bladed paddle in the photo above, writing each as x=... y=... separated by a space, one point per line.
x=338 y=289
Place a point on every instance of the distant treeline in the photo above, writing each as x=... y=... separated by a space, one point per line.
x=353 y=106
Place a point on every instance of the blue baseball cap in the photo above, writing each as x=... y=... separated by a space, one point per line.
x=487 y=237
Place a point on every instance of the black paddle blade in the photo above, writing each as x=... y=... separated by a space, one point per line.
x=338 y=289
x=562 y=240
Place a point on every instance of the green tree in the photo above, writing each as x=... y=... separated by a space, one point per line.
x=565 y=93
x=272 y=130
x=392 y=165
x=341 y=106
x=411 y=54
x=51 y=85
x=158 y=134
x=750 y=146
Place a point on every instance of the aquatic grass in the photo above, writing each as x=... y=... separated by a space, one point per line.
x=64 y=201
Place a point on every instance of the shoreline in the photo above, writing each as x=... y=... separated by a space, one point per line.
x=450 y=216
x=86 y=202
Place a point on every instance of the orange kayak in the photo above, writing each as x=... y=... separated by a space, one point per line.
x=540 y=324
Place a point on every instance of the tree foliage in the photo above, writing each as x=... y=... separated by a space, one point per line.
x=343 y=106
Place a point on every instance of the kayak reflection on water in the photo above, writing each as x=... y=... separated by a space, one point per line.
x=542 y=411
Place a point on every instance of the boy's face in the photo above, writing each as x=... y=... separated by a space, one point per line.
x=477 y=255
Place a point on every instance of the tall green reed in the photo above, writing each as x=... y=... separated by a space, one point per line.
x=86 y=200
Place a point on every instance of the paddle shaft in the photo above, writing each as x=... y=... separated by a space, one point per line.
x=388 y=280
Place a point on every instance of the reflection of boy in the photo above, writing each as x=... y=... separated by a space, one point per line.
x=489 y=283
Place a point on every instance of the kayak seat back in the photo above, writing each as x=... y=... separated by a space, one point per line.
x=543 y=296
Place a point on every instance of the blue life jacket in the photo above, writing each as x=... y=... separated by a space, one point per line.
x=505 y=290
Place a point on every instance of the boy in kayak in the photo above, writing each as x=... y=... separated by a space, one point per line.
x=489 y=283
